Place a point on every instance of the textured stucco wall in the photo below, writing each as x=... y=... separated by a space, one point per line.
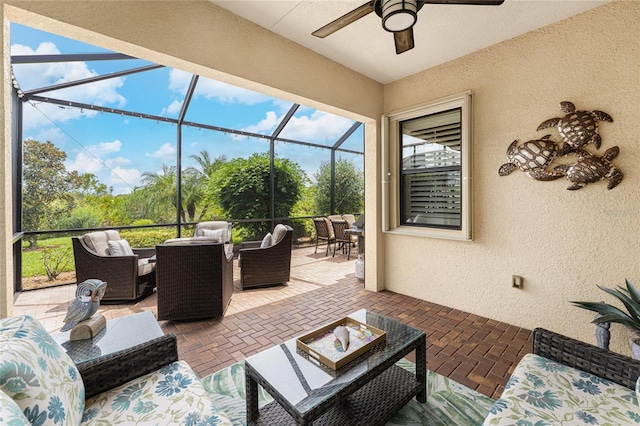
x=563 y=243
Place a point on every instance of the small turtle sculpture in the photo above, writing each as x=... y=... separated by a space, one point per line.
x=589 y=169
x=532 y=157
x=577 y=128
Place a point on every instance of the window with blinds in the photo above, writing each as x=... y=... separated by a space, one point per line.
x=431 y=170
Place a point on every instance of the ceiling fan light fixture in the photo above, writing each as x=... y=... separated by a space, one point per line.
x=399 y=15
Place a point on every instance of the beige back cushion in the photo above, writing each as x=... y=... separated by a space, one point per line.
x=98 y=241
x=332 y=235
x=278 y=233
x=349 y=218
x=214 y=225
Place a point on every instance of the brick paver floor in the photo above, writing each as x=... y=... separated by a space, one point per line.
x=477 y=352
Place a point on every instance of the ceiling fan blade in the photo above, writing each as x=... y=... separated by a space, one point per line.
x=469 y=2
x=344 y=20
x=403 y=40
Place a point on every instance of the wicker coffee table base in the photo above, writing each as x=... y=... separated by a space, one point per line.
x=373 y=404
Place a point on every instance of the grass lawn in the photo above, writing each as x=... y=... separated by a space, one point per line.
x=32 y=264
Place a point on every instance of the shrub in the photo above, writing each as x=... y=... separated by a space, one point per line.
x=56 y=260
x=147 y=237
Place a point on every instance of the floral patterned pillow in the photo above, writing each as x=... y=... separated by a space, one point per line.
x=38 y=375
x=10 y=412
x=543 y=392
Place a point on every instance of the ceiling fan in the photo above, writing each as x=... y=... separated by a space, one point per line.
x=398 y=17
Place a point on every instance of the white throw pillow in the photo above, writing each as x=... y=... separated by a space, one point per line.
x=266 y=241
x=120 y=248
x=215 y=234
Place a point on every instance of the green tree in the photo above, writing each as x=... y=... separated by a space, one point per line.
x=47 y=188
x=83 y=217
x=348 y=192
x=241 y=188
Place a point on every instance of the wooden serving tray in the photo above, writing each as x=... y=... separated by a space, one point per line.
x=319 y=344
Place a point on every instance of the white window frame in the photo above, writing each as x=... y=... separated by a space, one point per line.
x=391 y=174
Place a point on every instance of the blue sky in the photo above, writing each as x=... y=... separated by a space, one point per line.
x=119 y=149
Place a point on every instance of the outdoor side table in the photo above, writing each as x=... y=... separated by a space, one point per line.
x=119 y=334
x=366 y=391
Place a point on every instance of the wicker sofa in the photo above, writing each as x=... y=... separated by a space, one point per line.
x=565 y=381
x=146 y=384
x=128 y=277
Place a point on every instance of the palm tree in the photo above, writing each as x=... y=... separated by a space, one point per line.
x=195 y=182
x=160 y=191
x=207 y=167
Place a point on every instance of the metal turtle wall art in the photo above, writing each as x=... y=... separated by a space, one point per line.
x=590 y=168
x=532 y=157
x=577 y=128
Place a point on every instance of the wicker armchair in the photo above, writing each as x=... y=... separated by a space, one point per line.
x=128 y=277
x=263 y=266
x=194 y=279
x=324 y=232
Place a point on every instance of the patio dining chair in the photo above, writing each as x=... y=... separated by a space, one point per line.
x=342 y=239
x=324 y=232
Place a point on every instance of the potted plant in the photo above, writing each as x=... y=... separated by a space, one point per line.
x=630 y=298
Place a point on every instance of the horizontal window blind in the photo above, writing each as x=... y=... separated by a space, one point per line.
x=431 y=168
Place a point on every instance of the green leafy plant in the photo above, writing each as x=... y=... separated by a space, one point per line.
x=630 y=298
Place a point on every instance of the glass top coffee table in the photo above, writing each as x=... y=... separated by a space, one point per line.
x=118 y=334
x=366 y=391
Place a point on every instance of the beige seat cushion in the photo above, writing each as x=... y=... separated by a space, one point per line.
x=191 y=241
x=145 y=267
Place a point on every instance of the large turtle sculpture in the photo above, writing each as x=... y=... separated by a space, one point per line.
x=577 y=128
x=532 y=157
x=589 y=169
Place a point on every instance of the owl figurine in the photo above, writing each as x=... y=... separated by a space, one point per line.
x=85 y=304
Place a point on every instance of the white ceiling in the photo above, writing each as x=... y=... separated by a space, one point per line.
x=442 y=33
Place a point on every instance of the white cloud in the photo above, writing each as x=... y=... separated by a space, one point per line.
x=91 y=159
x=32 y=76
x=319 y=127
x=52 y=134
x=211 y=89
x=265 y=126
x=166 y=152
x=124 y=180
x=173 y=109
x=118 y=161
x=85 y=163
x=104 y=148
